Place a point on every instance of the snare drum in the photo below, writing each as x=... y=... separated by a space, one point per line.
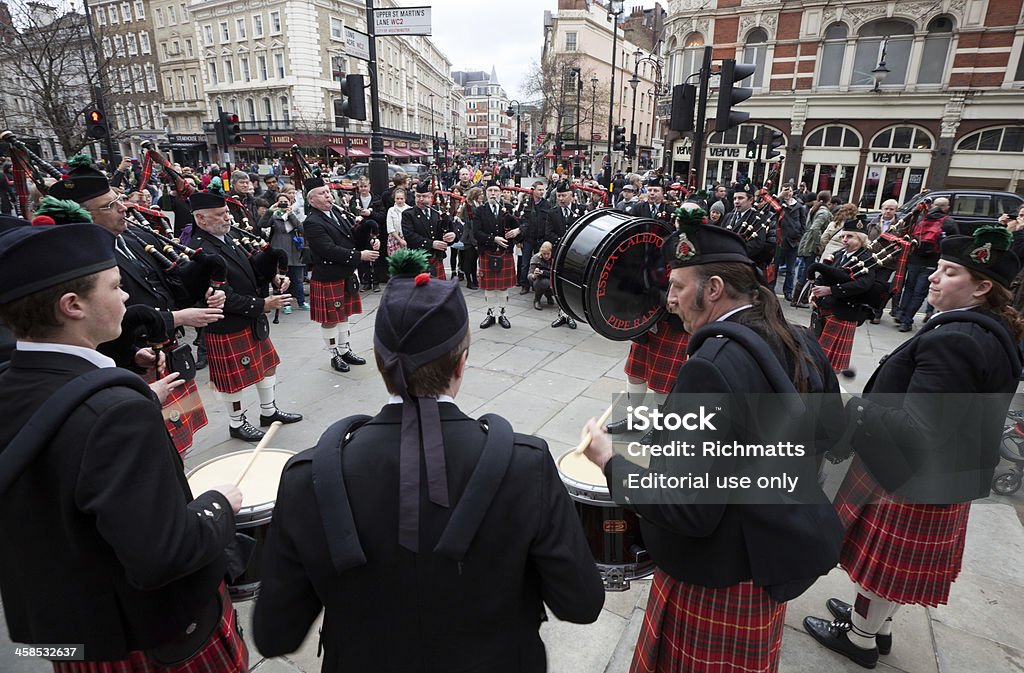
x=612 y=532
x=259 y=494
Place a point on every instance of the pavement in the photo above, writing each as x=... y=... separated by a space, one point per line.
x=548 y=382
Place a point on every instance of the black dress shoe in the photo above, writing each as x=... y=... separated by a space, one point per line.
x=472 y=286
x=536 y=305
x=503 y=321
x=488 y=320
x=617 y=427
x=905 y=328
x=833 y=635
x=201 y=362
x=247 y=431
x=570 y=322
x=841 y=611
x=278 y=415
x=352 y=359
x=559 y=321
x=648 y=437
x=338 y=364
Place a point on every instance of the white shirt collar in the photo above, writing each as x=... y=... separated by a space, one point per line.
x=93 y=356
x=397 y=399
x=734 y=312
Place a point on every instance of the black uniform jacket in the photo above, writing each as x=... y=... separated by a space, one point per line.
x=421 y=228
x=335 y=255
x=848 y=298
x=243 y=302
x=557 y=224
x=145 y=282
x=934 y=409
x=760 y=248
x=778 y=546
x=486 y=227
x=534 y=221
x=425 y=612
x=658 y=212
x=103 y=543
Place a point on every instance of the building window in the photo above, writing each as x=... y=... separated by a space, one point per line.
x=140 y=10
x=101 y=17
x=337 y=29
x=112 y=13
x=150 y=77
x=107 y=53
x=184 y=12
x=233 y=106
x=936 y=51
x=126 y=12
x=268 y=109
x=172 y=18
x=144 y=42
x=275 y=22
x=119 y=46
x=133 y=45
x=175 y=48
x=240 y=28
x=225 y=35
x=895 y=38
x=213 y=72
x=159 y=14
x=181 y=87
x=208 y=35
x=163 y=48
x=261 y=67
x=188 y=47
x=570 y=41
x=229 y=71
x=279 y=65
x=833 y=136
x=246 y=76
x=756 y=52
x=195 y=86
x=285 y=112
x=137 y=82
x=833 y=52
x=1007 y=139
x=902 y=138
x=257 y=25
x=250 y=110
x=169 y=88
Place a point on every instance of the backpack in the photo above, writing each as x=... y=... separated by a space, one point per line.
x=928 y=233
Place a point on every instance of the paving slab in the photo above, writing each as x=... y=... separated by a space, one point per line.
x=519 y=360
x=995 y=544
x=582 y=365
x=958 y=652
x=582 y=648
x=622 y=657
x=986 y=608
x=556 y=388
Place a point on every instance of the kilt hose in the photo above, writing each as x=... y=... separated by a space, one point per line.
x=238 y=360
x=502 y=279
x=658 y=361
x=836 y=339
x=183 y=412
x=905 y=552
x=690 y=628
x=224 y=652
x=330 y=303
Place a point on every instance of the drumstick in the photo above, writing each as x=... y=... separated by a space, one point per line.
x=585 y=442
x=259 y=447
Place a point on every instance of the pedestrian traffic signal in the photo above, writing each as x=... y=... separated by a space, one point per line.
x=353 y=97
x=96 y=124
x=619 y=139
x=684 y=101
x=774 y=144
x=230 y=129
x=752 y=149
x=729 y=94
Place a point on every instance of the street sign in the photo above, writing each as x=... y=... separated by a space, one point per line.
x=404 y=21
x=357 y=44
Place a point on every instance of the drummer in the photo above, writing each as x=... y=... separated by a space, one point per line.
x=432 y=531
x=725 y=571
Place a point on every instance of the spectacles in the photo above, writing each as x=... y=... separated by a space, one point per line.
x=113 y=204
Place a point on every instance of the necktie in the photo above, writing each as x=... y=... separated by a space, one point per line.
x=565 y=213
x=123 y=248
x=494 y=209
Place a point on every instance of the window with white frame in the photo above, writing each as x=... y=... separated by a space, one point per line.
x=184 y=12
x=225 y=35
x=286 y=112
x=112 y=14
x=261 y=67
x=195 y=86
x=756 y=52
x=172 y=17
x=257 y=25
x=208 y=35
x=188 y=47
x=268 y=109
x=150 y=77
x=138 y=83
x=133 y=45
x=229 y=71
x=144 y=42
x=279 y=65
x=126 y=12
x=107 y=52
x=337 y=29
x=175 y=48
x=119 y=46
x=275 y=22
x=244 y=62
x=250 y=110
x=936 y=51
x=240 y=28
x=888 y=41
x=833 y=51
x=140 y=10
x=168 y=88
x=570 y=41
x=158 y=13
x=163 y=50
x=212 y=67
x=101 y=17
x=1005 y=139
x=181 y=87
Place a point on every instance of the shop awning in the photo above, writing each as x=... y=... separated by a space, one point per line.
x=414 y=152
x=354 y=151
x=566 y=154
x=397 y=152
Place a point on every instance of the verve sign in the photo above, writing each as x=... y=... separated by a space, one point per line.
x=402 y=21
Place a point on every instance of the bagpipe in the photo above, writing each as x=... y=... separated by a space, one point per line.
x=302 y=171
x=590 y=198
x=182 y=187
x=25 y=165
x=874 y=297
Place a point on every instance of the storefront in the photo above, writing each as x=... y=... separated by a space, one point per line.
x=188 y=149
x=831 y=157
x=991 y=158
x=682 y=150
x=330 y=148
x=726 y=159
x=897 y=165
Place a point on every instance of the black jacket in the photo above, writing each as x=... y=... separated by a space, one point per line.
x=659 y=212
x=335 y=254
x=760 y=247
x=404 y=611
x=848 y=298
x=557 y=224
x=421 y=228
x=793 y=222
x=534 y=221
x=244 y=302
x=103 y=542
x=486 y=227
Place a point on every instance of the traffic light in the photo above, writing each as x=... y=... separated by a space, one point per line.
x=684 y=101
x=353 y=97
x=524 y=142
x=96 y=124
x=230 y=129
x=632 y=145
x=619 y=139
x=729 y=94
x=752 y=149
x=774 y=143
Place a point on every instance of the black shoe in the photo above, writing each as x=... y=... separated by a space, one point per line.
x=364 y=288
x=201 y=362
x=876 y=321
x=617 y=427
x=376 y=287
x=905 y=328
x=841 y=611
x=279 y=415
x=559 y=321
x=536 y=305
x=551 y=300
x=462 y=276
x=503 y=320
x=524 y=290
x=833 y=636
x=352 y=359
x=472 y=286
x=488 y=320
x=570 y=322
x=247 y=431
x=338 y=364
x=648 y=437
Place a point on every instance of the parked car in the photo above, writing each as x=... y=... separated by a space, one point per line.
x=972 y=208
x=356 y=171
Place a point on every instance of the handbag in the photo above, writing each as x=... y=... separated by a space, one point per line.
x=261 y=328
x=180 y=360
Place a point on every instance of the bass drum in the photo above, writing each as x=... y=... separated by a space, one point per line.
x=608 y=271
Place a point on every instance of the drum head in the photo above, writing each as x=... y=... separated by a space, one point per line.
x=258 y=487
x=609 y=272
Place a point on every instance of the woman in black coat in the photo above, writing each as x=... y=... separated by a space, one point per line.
x=474 y=198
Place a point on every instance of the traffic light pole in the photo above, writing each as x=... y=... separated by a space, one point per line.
x=378 y=168
x=700 y=126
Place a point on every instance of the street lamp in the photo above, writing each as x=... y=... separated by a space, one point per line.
x=634 y=82
x=615 y=9
x=880 y=72
x=433 y=134
x=593 y=113
x=519 y=149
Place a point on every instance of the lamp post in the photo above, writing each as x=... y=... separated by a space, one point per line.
x=615 y=9
x=634 y=82
x=593 y=113
x=433 y=134
x=519 y=150
x=880 y=72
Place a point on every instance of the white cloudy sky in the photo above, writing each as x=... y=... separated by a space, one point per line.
x=506 y=34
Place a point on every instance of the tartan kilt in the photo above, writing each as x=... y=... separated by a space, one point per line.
x=238 y=360
x=688 y=627
x=896 y=282
x=836 y=339
x=183 y=412
x=658 y=361
x=436 y=267
x=329 y=303
x=496 y=280
x=225 y=652
x=905 y=552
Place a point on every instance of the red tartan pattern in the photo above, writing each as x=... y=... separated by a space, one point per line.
x=496 y=280
x=225 y=353
x=437 y=266
x=896 y=282
x=687 y=627
x=183 y=412
x=328 y=302
x=905 y=552
x=225 y=652
x=837 y=340
x=658 y=361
